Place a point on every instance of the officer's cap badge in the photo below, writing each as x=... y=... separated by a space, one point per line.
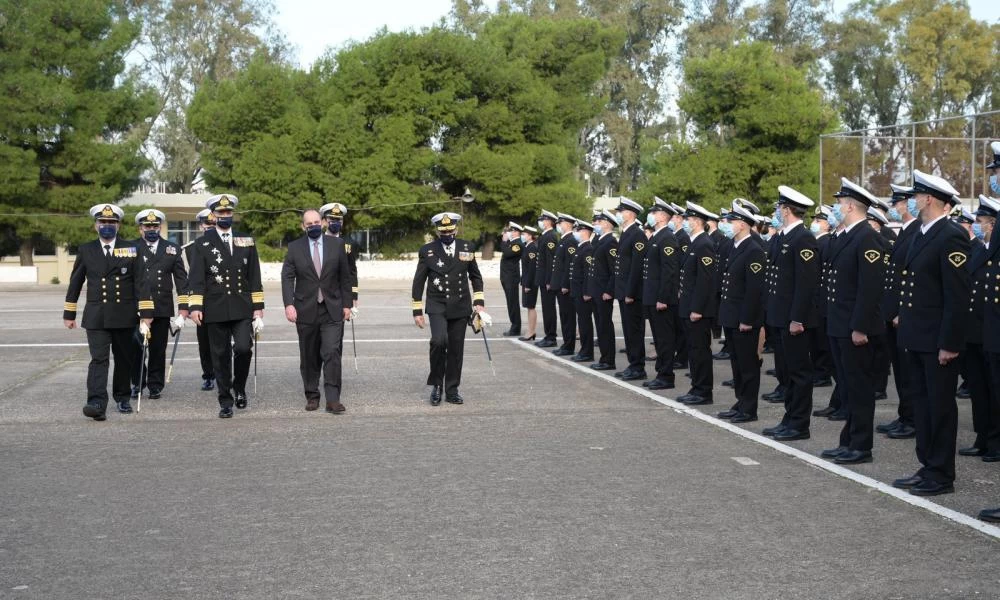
x=107 y=211
x=224 y=201
x=446 y=220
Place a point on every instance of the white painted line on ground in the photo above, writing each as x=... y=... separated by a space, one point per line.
x=745 y=461
x=941 y=511
x=261 y=342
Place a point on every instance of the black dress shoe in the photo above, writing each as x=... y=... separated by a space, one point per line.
x=772 y=431
x=887 y=427
x=124 y=407
x=972 y=451
x=695 y=400
x=455 y=398
x=824 y=412
x=208 y=384
x=562 y=352
x=723 y=355
x=728 y=383
x=679 y=365
x=94 y=411
x=774 y=397
x=853 y=457
x=903 y=432
x=241 y=399
x=602 y=367
x=771 y=372
x=659 y=384
x=544 y=343
x=839 y=415
x=134 y=393
x=991 y=456
x=932 y=488
x=155 y=394
x=226 y=413
x=822 y=382
x=435 y=395
x=511 y=333
x=834 y=452
x=907 y=482
x=579 y=358
x=727 y=414
x=881 y=396
x=743 y=418
x=790 y=435
x=527 y=338
x=622 y=351
x=990 y=515
x=633 y=375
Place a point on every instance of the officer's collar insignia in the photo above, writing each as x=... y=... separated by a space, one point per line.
x=807 y=254
x=107 y=211
x=755 y=267
x=706 y=260
x=957 y=259
x=872 y=255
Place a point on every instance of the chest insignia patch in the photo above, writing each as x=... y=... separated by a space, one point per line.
x=755 y=267
x=957 y=259
x=872 y=255
x=807 y=254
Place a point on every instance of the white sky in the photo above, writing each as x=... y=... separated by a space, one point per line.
x=314 y=25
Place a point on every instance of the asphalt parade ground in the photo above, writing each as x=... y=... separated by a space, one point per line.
x=551 y=481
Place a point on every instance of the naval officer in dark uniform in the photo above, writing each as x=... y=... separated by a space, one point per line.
x=601 y=286
x=565 y=250
x=163 y=264
x=206 y=221
x=228 y=296
x=660 y=293
x=116 y=298
x=933 y=314
x=583 y=302
x=698 y=302
x=547 y=242
x=446 y=267
x=992 y=313
x=628 y=288
x=511 y=249
x=334 y=214
x=791 y=311
x=529 y=292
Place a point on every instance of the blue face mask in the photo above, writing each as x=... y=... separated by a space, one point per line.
x=727 y=229
x=776 y=220
x=814 y=227
x=651 y=220
x=672 y=226
x=619 y=218
x=334 y=225
x=911 y=207
x=224 y=222
x=151 y=235
x=107 y=232
x=894 y=215
x=995 y=185
x=447 y=239
x=765 y=236
x=541 y=225
x=977 y=230
x=314 y=231
x=524 y=238
x=838 y=213
x=832 y=222
x=686 y=225
x=598 y=229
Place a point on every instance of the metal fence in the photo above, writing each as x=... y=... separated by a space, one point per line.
x=955 y=148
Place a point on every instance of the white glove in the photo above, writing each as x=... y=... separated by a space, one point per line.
x=486 y=319
x=354 y=312
x=178 y=322
x=144 y=329
x=258 y=325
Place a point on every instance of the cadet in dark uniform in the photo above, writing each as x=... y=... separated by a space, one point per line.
x=976 y=361
x=680 y=334
x=628 y=288
x=601 y=287
x=446 y=267
x=334 y=214
x=206 y=220
x=660 y=294
x=882 y=359
x=583 y=303
x=529 y=291
x=819 y=343
x=116 y=298
x=698 y=303
x=903 y=210
x=560 y=283
x=933 y=314
x=992 y=313
x=854 y=291
x=547 y=242
x=790 y=310
x=228 y=296
x=511 y=249
x=741 y=311
x=163 y=264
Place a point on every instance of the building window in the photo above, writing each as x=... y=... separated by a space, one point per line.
x=182 y=232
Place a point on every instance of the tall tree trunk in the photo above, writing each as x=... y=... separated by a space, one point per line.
x=27 y=252
x=488 y=248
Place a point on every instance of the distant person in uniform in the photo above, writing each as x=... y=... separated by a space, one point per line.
x=511 y=249
x=206 y=221
x=529 y=290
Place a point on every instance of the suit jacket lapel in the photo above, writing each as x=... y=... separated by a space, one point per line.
x=921 y=241
x=328 y=252
x=844 y=240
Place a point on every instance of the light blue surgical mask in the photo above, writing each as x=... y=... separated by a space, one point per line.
x=833 y=222
x=727 y=229
x=814 y=227
x=911 y=207
x=995 y=185
x=838 y=213
x=686 y=225
x=577 y=237
x=776 y=220
x=651 y=220
x=894 y=215
x=598 y=229
x=619 y=218
x=672 y=226
x=524 y=238
x=765 y=236
x=977 y=230
x=541 y=225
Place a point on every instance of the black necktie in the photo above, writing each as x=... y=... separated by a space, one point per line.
x=107 y=250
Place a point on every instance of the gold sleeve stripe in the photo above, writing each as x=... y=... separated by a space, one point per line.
x=354 y=289
x=146 y=305
x=257 y=296
x=478 y=296
x=418 y=305
x=70 y=306
x=182 y=299
x=196 y=299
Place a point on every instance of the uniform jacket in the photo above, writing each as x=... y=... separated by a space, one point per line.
x=225 y=286
x=743 y=286
x=794 y=276
x=447 y=280
x=601 y=276
x=988 y=292
x=894 y=270
x=116 y=290
x=630 y=246
x=510 y=261
x=560 y=262
x=300 y=283
x=661 y=270
x=164 y=270
x=819 y=298
x=582 y=260
x=934 y=290
x=854 y=283
x=546 y=252
x=979 y=282
x=697 y=278
x=683 y=239
x=352 y=264
x=529 y=263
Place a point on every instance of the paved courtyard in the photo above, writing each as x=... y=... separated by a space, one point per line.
x=551 y=481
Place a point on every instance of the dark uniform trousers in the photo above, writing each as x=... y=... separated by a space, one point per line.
x=634 y=331
x=320 y=346
x=567 y=321
x=102 y=344
x=799 y=372
x=231 y=362
x=548 y=312
x=661 y=322
x=205 y=352
x=819 y=347
x=680 y=339
x=511 y=289
x=905 y=408
x=855 y=370
x=153 y=376
x=447 y=351
x=604 y=321
x=746 y=368
x=585 y=319
x=699 y=340
x=936 y=421
x=982 y=376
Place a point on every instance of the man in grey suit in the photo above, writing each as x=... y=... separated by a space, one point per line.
x=316 y=290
